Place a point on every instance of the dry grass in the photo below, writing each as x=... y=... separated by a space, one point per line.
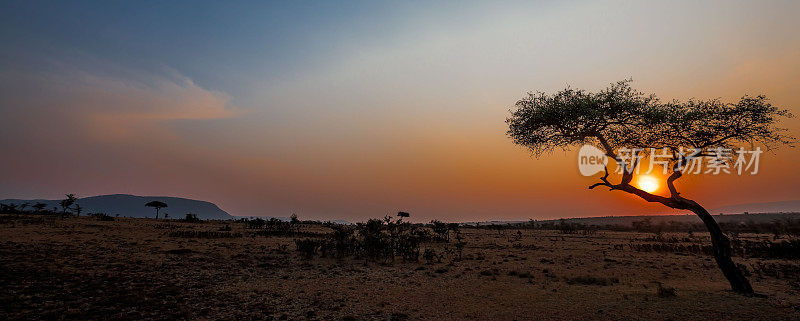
x=84 y=268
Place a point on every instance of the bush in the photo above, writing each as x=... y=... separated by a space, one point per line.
x=375 y=240
x=442 y=230
x=429 y=255
x=308 y=247
x=666 y=292
x=385 y=239
x=341 y=242
x=191 y=218
x=102 y=216
x=375 y=243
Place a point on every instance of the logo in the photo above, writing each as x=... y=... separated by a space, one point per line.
x=591 y=160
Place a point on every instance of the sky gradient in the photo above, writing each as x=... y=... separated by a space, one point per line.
x=351 y=110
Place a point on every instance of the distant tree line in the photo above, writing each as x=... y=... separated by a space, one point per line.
x=780 y=227
x=68 y=206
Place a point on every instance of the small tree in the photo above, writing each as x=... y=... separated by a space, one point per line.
x=294 y=222
x=191 y=218
x=157 y=205
x=621 y=117
x=78 y=209
x=23 y=206
x=442 y=229
x=67 y=203
x=39 y=207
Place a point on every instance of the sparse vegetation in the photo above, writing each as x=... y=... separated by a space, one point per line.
x=102 y=216
x=204 y=234
x=336 y=263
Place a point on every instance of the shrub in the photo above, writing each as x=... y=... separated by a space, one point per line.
x=666 y=292
x=308 y=247
x=442 y=230
x=102 y=216
x=191 y=218
x=376 y=240
x=429 y=255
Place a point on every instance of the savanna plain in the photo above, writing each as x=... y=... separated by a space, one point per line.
x=85 y=268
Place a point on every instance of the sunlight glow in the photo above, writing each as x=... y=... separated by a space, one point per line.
x=648 y=183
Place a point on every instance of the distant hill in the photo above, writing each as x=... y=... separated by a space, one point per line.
x=133 y=206
x=770 y=207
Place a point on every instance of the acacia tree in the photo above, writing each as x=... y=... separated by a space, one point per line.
x=67 y=203
x=621 y=117
x=157 y=205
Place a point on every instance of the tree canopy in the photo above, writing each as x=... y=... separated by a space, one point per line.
x=620 y=116
x=156 y=204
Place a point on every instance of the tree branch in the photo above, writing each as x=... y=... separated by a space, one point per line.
x=604 y=180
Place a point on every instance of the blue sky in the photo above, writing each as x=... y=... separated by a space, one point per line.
x=219 y=46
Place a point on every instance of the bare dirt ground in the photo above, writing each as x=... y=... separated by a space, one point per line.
x=83 y=268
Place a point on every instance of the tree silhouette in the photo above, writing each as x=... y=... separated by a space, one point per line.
x=23 y=206
x=157 y=205
x=67 y=203
x=78 y=209
x=621 y=117
x=442 y=229
x=9 y=208
x=39 y=206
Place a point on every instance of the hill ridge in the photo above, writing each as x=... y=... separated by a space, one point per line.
x=129 y=205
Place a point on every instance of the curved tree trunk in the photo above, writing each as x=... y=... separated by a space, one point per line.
x=722 y=252
x=719 y=242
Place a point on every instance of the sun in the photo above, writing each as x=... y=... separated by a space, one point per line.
x=648 y=183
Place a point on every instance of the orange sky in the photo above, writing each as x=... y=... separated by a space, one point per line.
x=360 y=118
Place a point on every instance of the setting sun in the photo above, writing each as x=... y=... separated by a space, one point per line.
x=648 y=183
